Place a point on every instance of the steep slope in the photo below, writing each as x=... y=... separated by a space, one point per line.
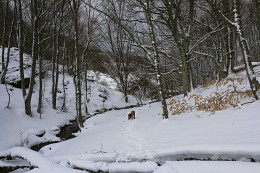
x=18 y=129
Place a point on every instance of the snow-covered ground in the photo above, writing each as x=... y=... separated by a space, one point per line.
x=102 y=93
x=109 y=142
x=18 y=129
x=13 y=68
x=110 y=137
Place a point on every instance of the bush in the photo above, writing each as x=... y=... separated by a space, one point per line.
x=179 y=106
x=226 y=95
x=220 y=100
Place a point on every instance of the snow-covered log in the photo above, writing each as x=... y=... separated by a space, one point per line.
x=36 y=159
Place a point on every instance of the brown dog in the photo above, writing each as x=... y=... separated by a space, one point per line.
x=131 y=116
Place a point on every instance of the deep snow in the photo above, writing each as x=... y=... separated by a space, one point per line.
x=19 y=129
x=110 y=142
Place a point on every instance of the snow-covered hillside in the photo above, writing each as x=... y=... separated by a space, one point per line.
x=13 y=73
x=19 y=129
x=102 y=93
x=110 y=142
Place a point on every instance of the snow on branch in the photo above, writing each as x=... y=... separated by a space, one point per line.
x=205 y=37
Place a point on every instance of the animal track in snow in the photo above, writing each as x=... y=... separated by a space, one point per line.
x=133 y=137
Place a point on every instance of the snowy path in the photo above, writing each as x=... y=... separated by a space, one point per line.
x=149 y=140
x=133 y=137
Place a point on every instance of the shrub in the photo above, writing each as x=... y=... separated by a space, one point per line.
x=179 y=106
x=222 y=99
x=219 y=100
x=226 y=95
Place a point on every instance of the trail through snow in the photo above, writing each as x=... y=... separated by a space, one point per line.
x=133 y=137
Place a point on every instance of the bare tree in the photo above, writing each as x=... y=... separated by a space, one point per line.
x=180 y=24
x=257 y=4
x=46 y=17
x=151 y=51
x=63 y=107
x=230 y=38
x=90 y=37
x=75 y=10
x=119 y=48
x=5 y=64
x=20 y=41
x=254 y=84
x=35 y=20
x=154 y=54
x=57 y=23
x=5 y=11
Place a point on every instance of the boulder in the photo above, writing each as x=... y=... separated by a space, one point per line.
x=17 y=83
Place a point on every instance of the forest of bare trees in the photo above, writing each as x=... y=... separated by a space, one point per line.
x=153 y=49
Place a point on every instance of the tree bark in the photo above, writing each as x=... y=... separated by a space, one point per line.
x=156 y=58
x=254 y=84
x=21 y=44
x=5 y=10
x=229 y=38
x=257 y=3
x=28 y=98
x=39 y=108
x=75 y=10
x=54 y=94
x=63 y=107
x=172 y=17
x=120 y=54
x=4 y=70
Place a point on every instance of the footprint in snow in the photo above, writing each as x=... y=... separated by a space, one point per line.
x=133 y=137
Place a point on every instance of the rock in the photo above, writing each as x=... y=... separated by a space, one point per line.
x=17 y=83
x=59 y=90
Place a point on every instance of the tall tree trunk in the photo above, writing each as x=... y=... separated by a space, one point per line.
x=85 y=69
x=54 y=53
x=185 y=70
x=7 y=60
x=56 y=79
x=221 y=68
x=221 y=62
x=39 y=109
x=230 y=50
x=84 y=60
x=28 y=98
x=254 y=84
x=3 y=74
x=156 y=59
x=21 y=44
x=5 y=10
x=63 y=107
x=181 y=36
x=75 y=8
x=257 y=3
x=229 y=38
x=126 y=90
x=54 y=94
x=190 y=29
